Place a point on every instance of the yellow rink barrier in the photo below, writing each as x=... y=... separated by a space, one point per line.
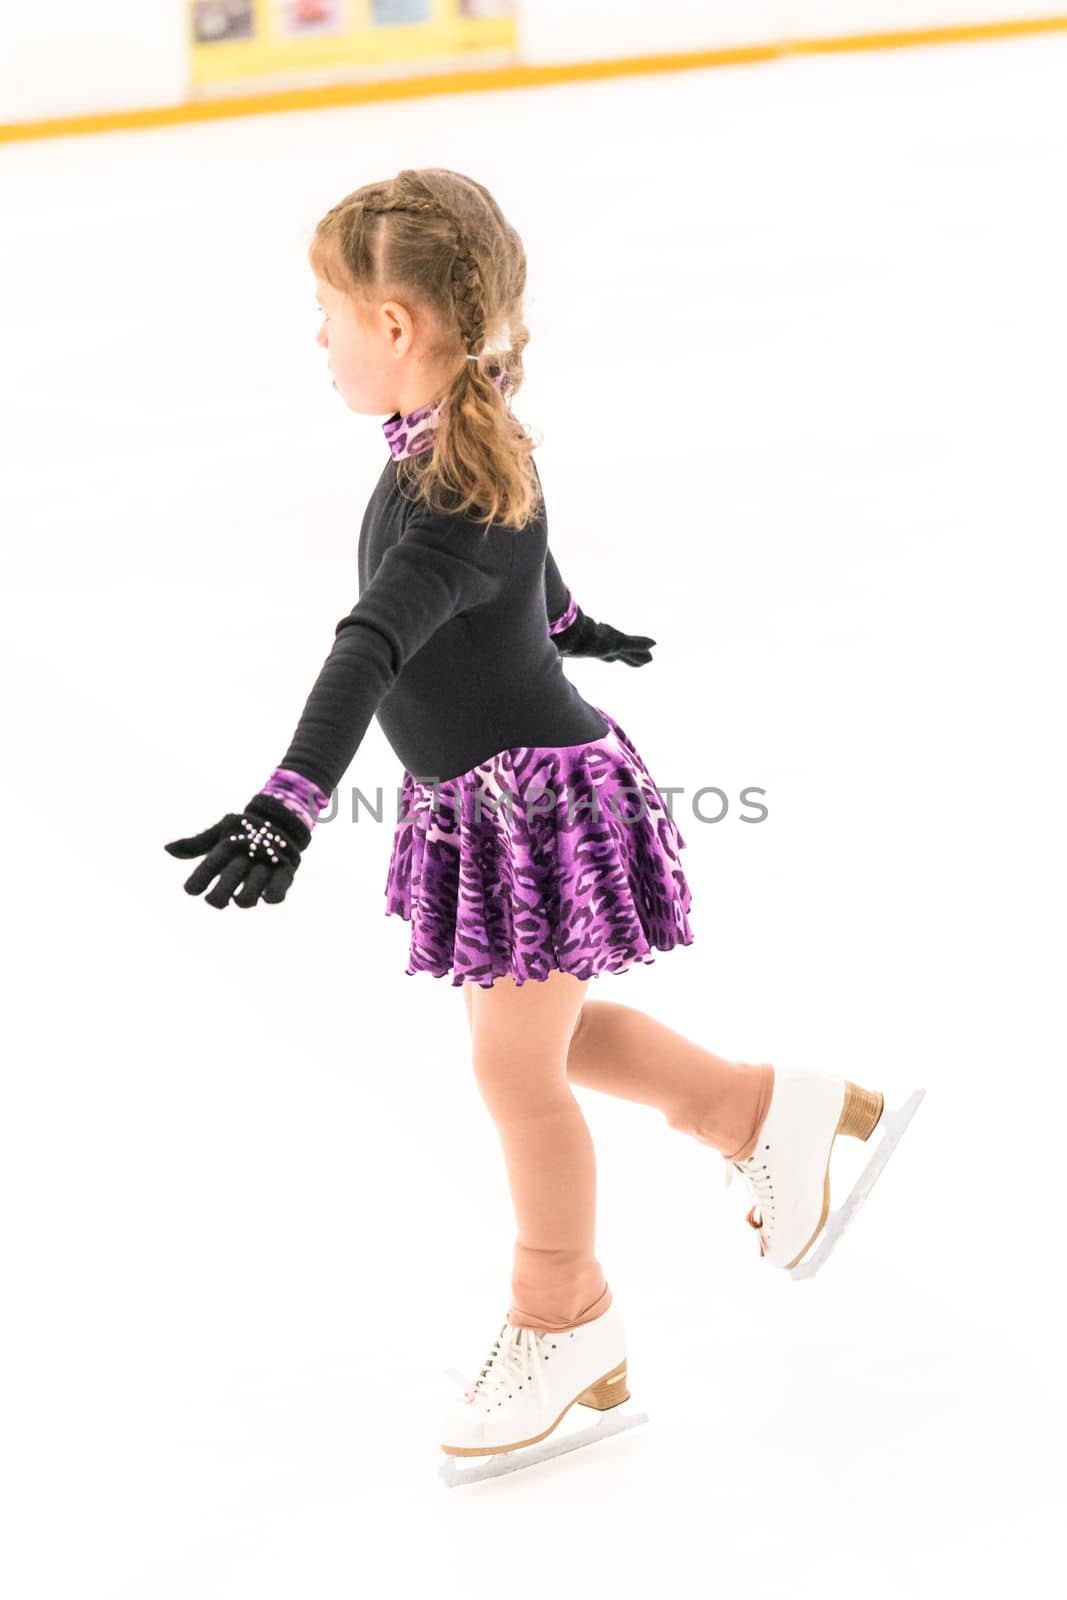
x=430 y=33
x=512 y=76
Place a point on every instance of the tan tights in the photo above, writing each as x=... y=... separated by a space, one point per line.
x=529 y=1043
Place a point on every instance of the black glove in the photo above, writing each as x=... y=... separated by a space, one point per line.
x=259 y=848
x=585 y=637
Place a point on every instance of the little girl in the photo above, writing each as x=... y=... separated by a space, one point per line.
x=535 y=852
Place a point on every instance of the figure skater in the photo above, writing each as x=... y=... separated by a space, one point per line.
x=534 y=852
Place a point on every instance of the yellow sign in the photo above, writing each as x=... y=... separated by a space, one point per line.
x=295 y=42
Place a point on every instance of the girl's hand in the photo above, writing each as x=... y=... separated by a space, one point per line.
x=256 y=851
x=585 y=637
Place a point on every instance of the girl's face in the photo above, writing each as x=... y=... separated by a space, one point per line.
x=356 y=358
x=375 y=353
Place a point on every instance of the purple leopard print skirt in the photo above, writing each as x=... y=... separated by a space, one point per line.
x=539 y=858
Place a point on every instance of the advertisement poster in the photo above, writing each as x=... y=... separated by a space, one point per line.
x=249 y=44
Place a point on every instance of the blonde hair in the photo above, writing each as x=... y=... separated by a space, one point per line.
x=440 y=239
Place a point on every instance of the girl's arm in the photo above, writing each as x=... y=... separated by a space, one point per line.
x=574 y=633
x=439 y=567
x=559 y=603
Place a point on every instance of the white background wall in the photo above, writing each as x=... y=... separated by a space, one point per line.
x=68 y=58
x=572 y=30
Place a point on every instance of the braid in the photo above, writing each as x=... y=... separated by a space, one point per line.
x=468 y=293
x=467 y=288
x=463 y=267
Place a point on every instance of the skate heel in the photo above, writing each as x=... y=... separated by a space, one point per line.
x=861 y=1111
x=608 y=1391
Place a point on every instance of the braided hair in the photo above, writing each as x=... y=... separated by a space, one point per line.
x=440 y=239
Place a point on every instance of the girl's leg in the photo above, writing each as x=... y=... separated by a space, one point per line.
x=623 y=1052
x=520 y=1034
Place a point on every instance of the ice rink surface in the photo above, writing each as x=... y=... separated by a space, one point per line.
x=797 y=356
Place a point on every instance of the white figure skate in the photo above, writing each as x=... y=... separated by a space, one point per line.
x=788 y=1173
x=526 y=1387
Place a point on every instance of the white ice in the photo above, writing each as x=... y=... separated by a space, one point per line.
x=797 y=357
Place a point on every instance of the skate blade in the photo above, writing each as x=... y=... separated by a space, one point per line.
x=838 y=1221
x=514 y=1460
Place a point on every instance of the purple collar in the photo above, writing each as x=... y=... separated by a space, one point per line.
x=411 y=435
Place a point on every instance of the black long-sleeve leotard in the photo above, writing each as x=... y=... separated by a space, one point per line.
x=448 y=644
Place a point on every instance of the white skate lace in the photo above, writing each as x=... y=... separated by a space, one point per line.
x=756 y=1176
x=511 y=1361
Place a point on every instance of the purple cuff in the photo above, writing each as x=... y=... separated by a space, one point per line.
x=302 y=796
x=569 y=616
